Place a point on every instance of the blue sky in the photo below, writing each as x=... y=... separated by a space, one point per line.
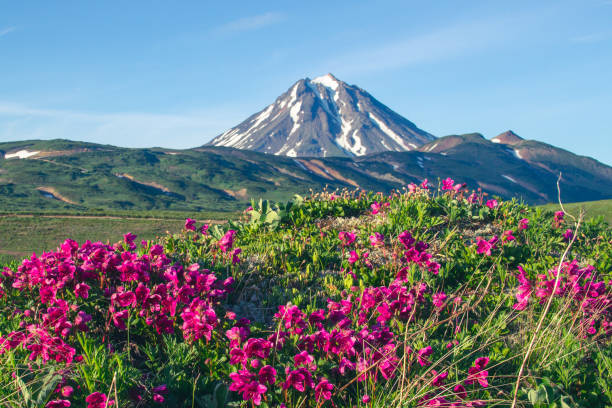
x=176 y=74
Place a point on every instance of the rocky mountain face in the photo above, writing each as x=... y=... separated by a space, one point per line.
x=324 y=117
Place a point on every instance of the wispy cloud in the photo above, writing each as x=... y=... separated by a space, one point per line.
x=590 y=38
x=251 y=22
x=130 y=129
x=437 y=45
x=5 y=31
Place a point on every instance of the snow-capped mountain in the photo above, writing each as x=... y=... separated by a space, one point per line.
x=324 y=117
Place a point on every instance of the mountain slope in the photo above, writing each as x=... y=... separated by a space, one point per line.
x=74 y=175
x=513 y=162
x=324 y=117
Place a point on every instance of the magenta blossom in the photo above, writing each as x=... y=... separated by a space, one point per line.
x=347 y=238
x=82 y=290
x=377 y=239
x=267 y=375
x=492 y=204
x=477 y=372
x=190 y=224
x=422 y=355
x=323 y=389
x=568 y=235
x=354 y=257
x=447 y=184
x=425 y=184
x=438 y=299
x=58 y=404
x=523 y=224
x=227 y=241
x=98 y=400
x=484 y=246
x=507 y=236
x=375 y=207
x=438 y=380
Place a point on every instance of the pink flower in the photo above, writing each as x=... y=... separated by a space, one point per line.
x=412 y=187
x=82 y=290
x=158 y=392
x=375 y=206
x=523 y=224
x=365 y=399
x=267 y=374
x=253 y=391
x=524 y=291
x=124 y=299
x=406 y=239
x=484 y=246
x=240 y=379
x=347 y=238
x=119 y=319
x=250 y=390
x=235 y=253
x=447 y=184
x=304 y=359
x=204 y=229
x=507 y=236
x=238 y=357
x=568 y=235
x=438 y=380
x=67 y=391
x=492 y=204
x=377 y=239
x=478 y=373
x=559 y=215
x=256 y=347
x=422 y=355
x=438 y=299
x=425 y=184
x=227 y=241
x=299 y=379
x=354 y=257
x=323 y=389
x=97 y=400
x=190 y=224
x=460 y=391
x=58 y=404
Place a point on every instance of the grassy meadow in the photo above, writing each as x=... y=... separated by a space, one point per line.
x=420 y=298
x=601 y=208
x=27 y=232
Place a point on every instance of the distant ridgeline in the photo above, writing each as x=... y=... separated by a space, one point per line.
x=321 y=132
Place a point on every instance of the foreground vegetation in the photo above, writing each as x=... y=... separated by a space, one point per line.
x=421 y=298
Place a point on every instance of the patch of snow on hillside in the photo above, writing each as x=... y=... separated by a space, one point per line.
x=517 y=154
x=223 y=139
x=495 y=140
x=413 y=145
x=22 y=154
x=328 y=81
x=358 y=148
x=294 y=112
x=420 y=162
x=342 y=140
x=262 y=116
x=509 y=178
x=381 y=125
x=432 y=147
